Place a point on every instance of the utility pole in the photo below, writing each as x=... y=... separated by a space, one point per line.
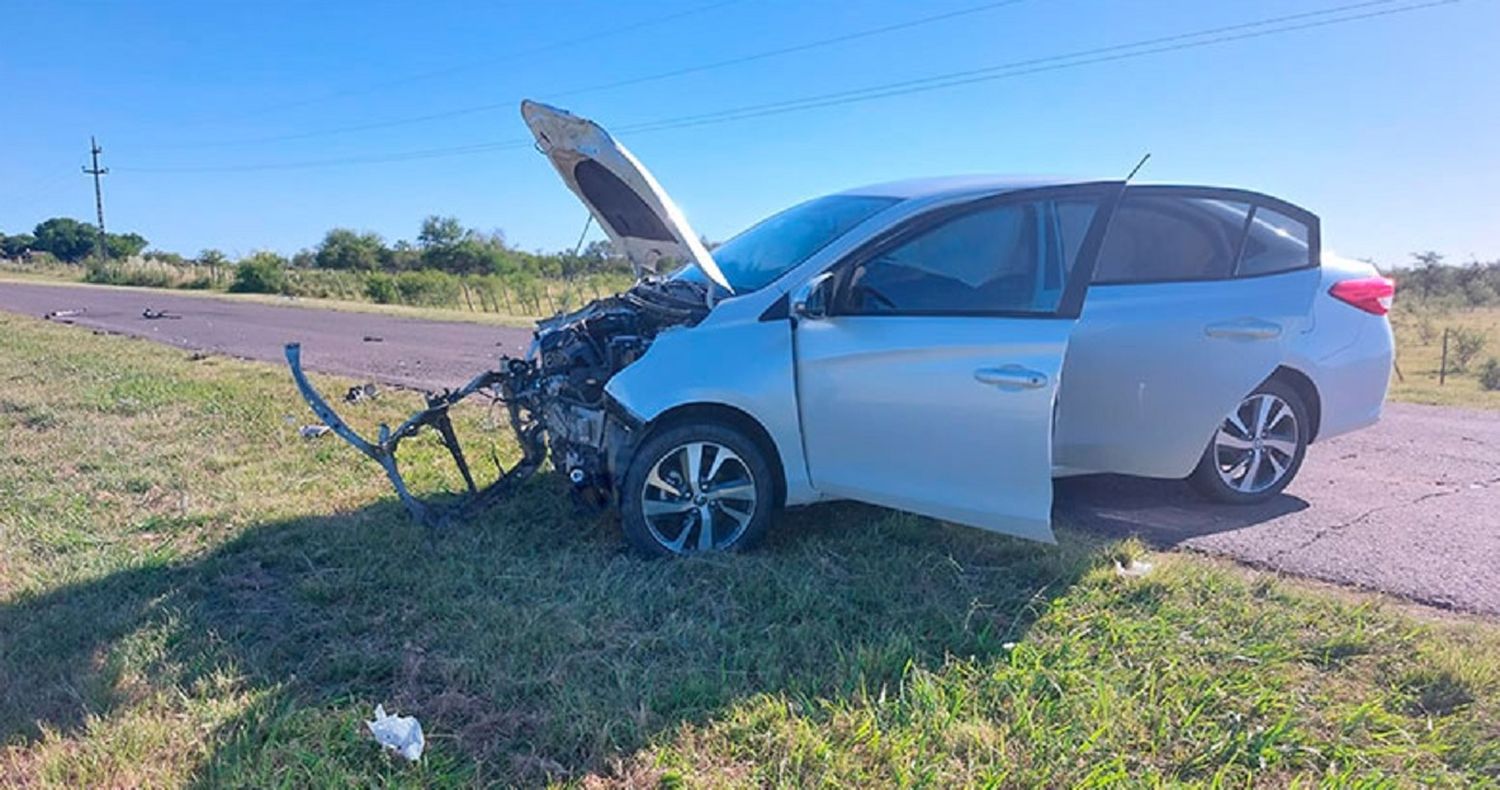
x=97 y=171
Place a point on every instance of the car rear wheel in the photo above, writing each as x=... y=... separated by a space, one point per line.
x=1258 y=448
x=696 y=488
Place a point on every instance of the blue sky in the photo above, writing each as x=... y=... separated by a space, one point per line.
x=1389 y=127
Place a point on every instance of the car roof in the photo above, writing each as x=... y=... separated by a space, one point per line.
x=956 y=186
x=943 y=186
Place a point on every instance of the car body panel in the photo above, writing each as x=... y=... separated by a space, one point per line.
x=1153 y=368
x=739 y=362
x=642 y=221
x=896 y=411
x=1347 y=353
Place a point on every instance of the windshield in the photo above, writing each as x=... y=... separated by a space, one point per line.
x=775 y=245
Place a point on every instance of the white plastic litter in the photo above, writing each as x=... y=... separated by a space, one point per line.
x=400 y=734
x=313 y=431
x=1135 y=568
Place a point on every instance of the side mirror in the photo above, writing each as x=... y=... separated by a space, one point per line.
x=810 y=301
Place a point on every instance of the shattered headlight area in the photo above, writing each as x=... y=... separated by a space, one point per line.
x=554 y=398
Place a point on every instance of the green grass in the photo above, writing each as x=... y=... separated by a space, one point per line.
x=1419 y=347
x=191 y=594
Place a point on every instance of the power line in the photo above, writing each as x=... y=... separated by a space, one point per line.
x=654 y=77
x=1182 y=41
x=1034 y=66
x=508 y=57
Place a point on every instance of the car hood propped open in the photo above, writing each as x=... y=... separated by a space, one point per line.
x=642 y=221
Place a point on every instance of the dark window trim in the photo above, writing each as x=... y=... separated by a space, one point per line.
x=1230 y=194
x=1070 y=303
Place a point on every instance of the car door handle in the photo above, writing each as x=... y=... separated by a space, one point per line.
x=1011 y=377
x=1244 y=329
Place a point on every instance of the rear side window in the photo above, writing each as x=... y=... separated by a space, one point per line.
x=1008 y=258
x=1275 y=243
x=1155 y=238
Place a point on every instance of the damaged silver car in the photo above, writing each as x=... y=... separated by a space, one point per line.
x=941 y=346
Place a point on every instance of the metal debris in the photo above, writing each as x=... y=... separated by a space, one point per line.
x=153 y=315
x=374 y=339
x=63 y=315
x=496 y=384
x=359 y=392
x=313 y=431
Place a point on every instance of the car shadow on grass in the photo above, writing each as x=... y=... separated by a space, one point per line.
x=530 y=644
x=1162 y=513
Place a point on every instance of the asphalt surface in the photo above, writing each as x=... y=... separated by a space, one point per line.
x=369 y=346
x=1409 y=507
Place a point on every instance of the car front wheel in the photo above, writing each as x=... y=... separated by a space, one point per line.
x=1258 y=448
x=696 y=488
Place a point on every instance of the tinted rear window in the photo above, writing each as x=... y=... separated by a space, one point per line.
x=1156 y=238
x=1276 y=243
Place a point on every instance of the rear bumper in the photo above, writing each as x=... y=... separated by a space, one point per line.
x=1352 y=381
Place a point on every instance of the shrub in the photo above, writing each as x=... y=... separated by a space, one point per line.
x=135 y=271
x=1465 y=345
x=381 y=288
x=428 y=288
x=324 y=284
x=261 y=273
x=1426 y=331
x=1489 y=374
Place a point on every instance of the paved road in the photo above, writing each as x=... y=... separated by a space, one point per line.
x=1410 y=507
x=391 y=350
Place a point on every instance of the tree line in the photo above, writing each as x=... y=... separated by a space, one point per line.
x=71 y=241
x=442 y=244
x=1430 y=278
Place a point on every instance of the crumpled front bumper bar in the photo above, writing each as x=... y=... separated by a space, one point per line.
x=496 y=383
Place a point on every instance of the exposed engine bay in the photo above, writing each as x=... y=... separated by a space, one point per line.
x=575 y=354
x=554 y=398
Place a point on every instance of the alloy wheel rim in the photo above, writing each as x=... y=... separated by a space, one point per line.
x=1255 y=447
x=698 y=497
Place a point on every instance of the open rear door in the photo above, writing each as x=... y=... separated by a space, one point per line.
x=640 y=218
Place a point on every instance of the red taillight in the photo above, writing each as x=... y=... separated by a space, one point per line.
x=1370 y=294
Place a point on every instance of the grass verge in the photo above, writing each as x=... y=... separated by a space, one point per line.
x=1419 y=352
x=191 y=594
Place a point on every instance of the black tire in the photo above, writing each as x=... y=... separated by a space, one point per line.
x=654 y=535
x=1208 y=479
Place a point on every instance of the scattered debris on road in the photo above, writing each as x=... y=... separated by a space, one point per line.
x=313 y=431
x=374 y=339
x=153 y=315
x=360 y=392
x=64 y=315
x=400 y=734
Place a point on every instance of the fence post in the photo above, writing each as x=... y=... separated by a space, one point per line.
x=1443 y=366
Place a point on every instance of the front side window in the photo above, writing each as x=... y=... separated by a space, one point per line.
x=1014 y=257
x=1155 y=238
